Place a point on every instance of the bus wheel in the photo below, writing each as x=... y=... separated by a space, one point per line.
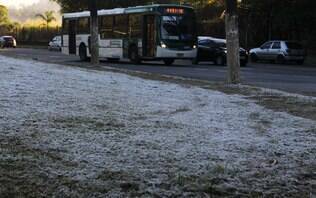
x=83 y=53
x=168 y=61
x=133 y=55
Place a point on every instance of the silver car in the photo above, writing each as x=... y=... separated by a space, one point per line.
x=55 y=44
x=279 y=51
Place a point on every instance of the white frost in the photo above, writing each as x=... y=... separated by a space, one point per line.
x=152 y=130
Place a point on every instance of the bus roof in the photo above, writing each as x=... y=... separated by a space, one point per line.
x=137 y=9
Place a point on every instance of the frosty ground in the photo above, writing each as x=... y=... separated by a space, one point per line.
x=74 y=132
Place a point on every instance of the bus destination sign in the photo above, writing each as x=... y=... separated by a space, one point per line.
x=175 y=10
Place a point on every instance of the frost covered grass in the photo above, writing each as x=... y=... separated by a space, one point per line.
x=69 y=132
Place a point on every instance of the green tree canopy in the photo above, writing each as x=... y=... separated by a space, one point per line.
x=4 y=18
x=48 y=17
x=6 y=26
x=260 y=20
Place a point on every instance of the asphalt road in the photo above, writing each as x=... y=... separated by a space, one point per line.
x=290 y=77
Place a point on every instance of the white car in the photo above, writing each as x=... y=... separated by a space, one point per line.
x=55 y=44
x=279 y=51
x=7 y=41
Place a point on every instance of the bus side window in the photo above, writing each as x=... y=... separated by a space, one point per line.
x=121 y=26
x=65 y=26
x=106 y=27
x=135 y=26
x=83 y=26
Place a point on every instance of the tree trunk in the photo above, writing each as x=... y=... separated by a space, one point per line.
x=94 y=30
x=232 y=36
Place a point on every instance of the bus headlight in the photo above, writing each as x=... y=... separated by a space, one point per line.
x=163 y=45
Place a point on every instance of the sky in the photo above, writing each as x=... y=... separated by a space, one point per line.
x=26 y=10
x=17 y=3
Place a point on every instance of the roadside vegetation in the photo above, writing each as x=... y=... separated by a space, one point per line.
x=35 y=31
x=259 y=20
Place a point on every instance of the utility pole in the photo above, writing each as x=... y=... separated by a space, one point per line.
x=94 y=31
x=232 y=37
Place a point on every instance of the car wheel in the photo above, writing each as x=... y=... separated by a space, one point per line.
x=168 y=61
x=220 y=60
x=195 y=61
x=83 y=53
x=300 y=62
x=243 y=63
x=280 y=59
x=254 y=58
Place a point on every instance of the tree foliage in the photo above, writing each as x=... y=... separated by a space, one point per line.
x=276 y=19
x=48 y=17
x=260 y=20
x=6 y=26
x=4 y=19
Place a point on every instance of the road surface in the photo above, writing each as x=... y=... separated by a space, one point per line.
x=290 y=78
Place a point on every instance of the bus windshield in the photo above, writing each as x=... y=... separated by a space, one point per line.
x=177 y=28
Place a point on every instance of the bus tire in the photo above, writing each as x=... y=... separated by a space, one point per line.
x=168 y=61
x=83 y=52
x=133 y=55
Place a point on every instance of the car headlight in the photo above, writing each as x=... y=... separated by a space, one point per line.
x=194 y=46
x=163 y=45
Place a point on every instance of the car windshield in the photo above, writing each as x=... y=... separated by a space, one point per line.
x=293 y=45
x=179 y=28
x=221 y=44
x=8 y=38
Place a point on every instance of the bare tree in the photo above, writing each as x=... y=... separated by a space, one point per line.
x=232 y=36
x=94 y=30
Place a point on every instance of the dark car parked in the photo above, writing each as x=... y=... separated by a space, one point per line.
x=214 y=49
x=7 y=41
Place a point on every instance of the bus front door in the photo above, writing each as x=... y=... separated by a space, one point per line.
x=72 y=37
x=149 y=39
